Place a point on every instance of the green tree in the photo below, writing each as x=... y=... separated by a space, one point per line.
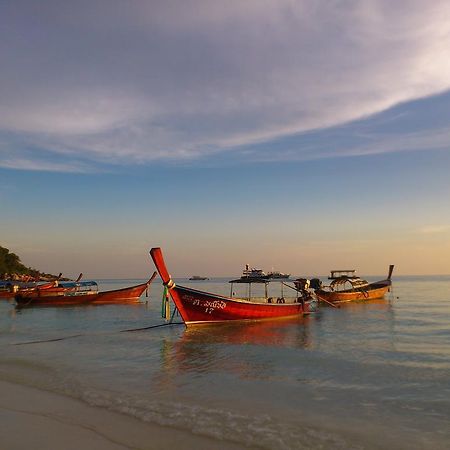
x=10 y=263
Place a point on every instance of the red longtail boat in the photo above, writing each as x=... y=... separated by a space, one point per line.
x=81 y=293
x=199 y=307
x=9 y=289
x=13 y=289
x=349 y=288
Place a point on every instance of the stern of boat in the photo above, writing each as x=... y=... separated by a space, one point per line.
x=311 y=306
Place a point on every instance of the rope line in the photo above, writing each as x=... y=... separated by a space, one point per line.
x=47 y=340
x=130 y=330
x=150 y=327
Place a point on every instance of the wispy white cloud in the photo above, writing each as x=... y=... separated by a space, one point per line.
x=437 y=139
x=435 y=229
x=185 y=79
x=45 y=166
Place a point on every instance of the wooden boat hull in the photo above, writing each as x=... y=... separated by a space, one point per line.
x=371 y=292
x=202 y=307
x=67 y=298
x=126 y=295
x=14 y=288
x=199 y=307
x=7 y=294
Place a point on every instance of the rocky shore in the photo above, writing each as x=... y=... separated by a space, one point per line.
x=25 y=278
x=12 y=269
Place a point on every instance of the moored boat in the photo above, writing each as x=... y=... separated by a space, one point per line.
x=7 y=289
x=275 y=274
x=11 y=289
x=347 y=287
x=199 y=307
x=251 y=273
x=198 y=278
x=81 y=293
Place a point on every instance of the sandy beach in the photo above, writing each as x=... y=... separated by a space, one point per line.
x=32 y=418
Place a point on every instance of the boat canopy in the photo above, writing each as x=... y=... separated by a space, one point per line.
x=348 y=273
x=77 y=284
x=356 y=283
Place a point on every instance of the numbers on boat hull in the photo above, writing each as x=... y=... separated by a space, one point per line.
x=209 y=305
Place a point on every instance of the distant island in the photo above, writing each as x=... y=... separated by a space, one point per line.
x=11 y=268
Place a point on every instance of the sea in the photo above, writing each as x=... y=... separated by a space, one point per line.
x=371 y=375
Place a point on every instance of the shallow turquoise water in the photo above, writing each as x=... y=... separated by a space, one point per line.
x=373 y=375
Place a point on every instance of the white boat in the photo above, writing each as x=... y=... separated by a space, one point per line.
x=274 y=274
x=252 y=273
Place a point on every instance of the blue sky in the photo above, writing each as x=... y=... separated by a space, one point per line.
x=302 y=136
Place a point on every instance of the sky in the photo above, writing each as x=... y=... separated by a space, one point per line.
x=302 y=136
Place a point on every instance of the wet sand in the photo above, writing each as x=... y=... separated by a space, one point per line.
x=32 y=418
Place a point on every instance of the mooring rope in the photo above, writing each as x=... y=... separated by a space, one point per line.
x=47 y=340
x=130 y=330
x=150 y=327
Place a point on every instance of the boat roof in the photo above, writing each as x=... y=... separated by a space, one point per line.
x=356 y=282
x=74 y=284
x=338 y=273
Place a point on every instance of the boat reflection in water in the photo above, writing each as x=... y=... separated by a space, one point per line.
x=289 y=332
x=378 y=304
x=212 y=349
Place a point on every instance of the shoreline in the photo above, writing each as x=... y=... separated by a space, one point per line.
x=38 y=419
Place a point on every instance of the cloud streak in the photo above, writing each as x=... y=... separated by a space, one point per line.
x=45 y=166
x=435 y=229
x=190 y=79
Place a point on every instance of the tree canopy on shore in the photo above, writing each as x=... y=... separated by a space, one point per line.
x=12 y=268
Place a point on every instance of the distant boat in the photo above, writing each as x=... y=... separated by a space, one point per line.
x=347 y=287
x=80 y=293
x=199 y=307
x=250 y=273
x=198 y=278
x=278 y=275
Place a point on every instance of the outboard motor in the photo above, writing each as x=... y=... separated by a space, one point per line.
x=315 y=284
x=301 y=284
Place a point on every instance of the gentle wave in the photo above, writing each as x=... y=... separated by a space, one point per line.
x=263 y=431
